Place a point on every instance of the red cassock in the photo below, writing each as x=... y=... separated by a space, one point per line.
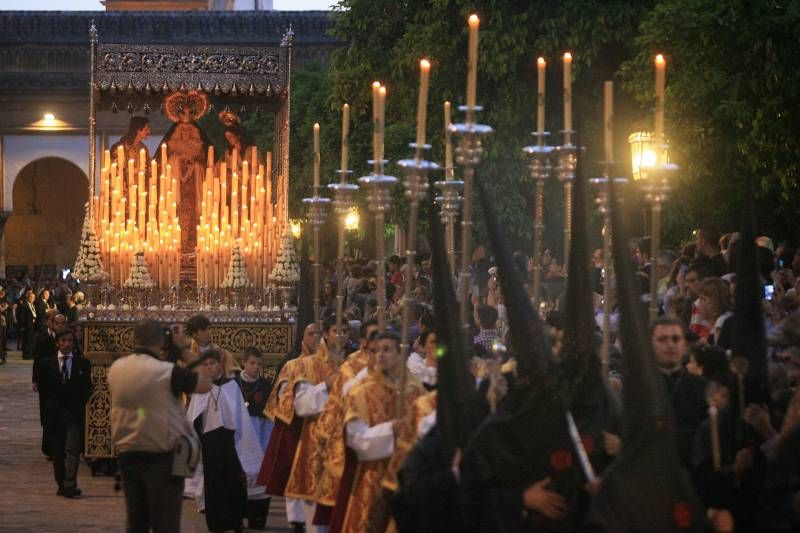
x=346 y=485
x=277 y=464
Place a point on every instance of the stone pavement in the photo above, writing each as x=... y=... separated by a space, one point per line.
x=28 y=500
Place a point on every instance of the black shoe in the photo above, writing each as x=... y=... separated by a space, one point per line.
x=72 y=493
x=60 y=491
x=299 y=527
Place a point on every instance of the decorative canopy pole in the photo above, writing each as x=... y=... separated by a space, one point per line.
x=92 y=116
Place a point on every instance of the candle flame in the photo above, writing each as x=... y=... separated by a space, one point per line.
x=382 y=90
x=316 y=126
x=567 y=56
x=424 y=64
x=376 y=85
x=473 y=20
x=660 y=59
x=541 y=61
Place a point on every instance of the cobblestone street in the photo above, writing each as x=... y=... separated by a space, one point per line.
x=28 y=500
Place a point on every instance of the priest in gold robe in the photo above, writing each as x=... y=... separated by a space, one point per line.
x=371 y=426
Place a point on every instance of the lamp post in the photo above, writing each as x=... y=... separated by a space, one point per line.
x=653 y=178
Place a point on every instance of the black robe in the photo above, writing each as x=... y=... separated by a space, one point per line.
x=224 y=480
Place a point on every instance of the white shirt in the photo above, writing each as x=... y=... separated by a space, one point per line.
x=309 y=400
x=370 y=443
x=68 y=358
x=417 y=366
x=352 y=382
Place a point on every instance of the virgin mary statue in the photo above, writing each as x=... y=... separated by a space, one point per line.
x=187 y=149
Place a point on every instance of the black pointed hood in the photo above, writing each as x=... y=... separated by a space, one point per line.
x=749 y=336
x=645 y=488
x=528 y=337
x=455 y=405
x=305 y=292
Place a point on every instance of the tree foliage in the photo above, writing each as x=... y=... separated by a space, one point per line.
x=732 y=93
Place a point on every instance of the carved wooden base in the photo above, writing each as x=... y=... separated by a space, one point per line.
x=103 y=342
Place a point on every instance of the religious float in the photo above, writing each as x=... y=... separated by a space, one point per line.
x=185 y=232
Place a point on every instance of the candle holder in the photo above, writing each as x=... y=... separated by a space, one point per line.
x=603 y=200
x=343 y=201
x=449 y=203
x=468 y=154
x=655 y=187
x=416 y=188
x=540 y=169
x=567 y=163
x=317 y=212
x=378 y=186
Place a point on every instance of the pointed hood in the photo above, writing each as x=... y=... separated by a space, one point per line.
x=749 y=336
x=646 y=488
x=511 y=448
x=456 y=406
x=529 y=341
x=584 y=383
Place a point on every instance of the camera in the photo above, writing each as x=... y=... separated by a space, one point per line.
x=769 y=290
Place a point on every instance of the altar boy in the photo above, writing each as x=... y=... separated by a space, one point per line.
x=231 y=453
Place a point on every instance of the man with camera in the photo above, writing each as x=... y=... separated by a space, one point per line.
x=149 y=426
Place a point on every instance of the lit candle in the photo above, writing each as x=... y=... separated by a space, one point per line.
x=345 y=139
x=567 y=98
x=608 y=122
x=540 y=66
x=715 y=448
x=210 y=156
x=376 y=86
x=316 y=159
x=142 y=161
x=661 y=66
x=448 y=144
x=472 y=64
x=381 y=122
x=163 y=156
x=422 y=103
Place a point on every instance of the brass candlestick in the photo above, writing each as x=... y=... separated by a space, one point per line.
x=656 y=191
x=603 y=201
x=317 y=210
x=449 y=203
x=567 y=162
x=540 y=168
x=343 y=193
x=378 y=186
x=468 y=155
x=416 y=187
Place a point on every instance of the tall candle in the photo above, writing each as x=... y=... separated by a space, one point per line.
x=540 y=66
x=448 y=143
x=608 y=121
x=345 y=139
x=381 y=124
x=422 y=103
x=210 y=156
x=163 y=156
x=376 y=112
x=142 y=160
x=661 y=66
x=567 y=98
x=316 y=159
x=472 y=64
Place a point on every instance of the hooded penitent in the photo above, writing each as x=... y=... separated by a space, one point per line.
x=645 y=489
x=593 y=407
x=527 y=439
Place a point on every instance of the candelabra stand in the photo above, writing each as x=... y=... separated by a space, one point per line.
x=468 y=154
x=317 y=210
x=656 y=191
x=540 y=168
x=343 y=193
x=379 y=187
x=603 y=201
x=567 y=161
x=416 y=187
x=449 y=203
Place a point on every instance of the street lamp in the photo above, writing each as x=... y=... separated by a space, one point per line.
x=351 y=220
x=643 y=153
x=653 y=177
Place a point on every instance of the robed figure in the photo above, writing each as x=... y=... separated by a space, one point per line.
x=187 y=152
